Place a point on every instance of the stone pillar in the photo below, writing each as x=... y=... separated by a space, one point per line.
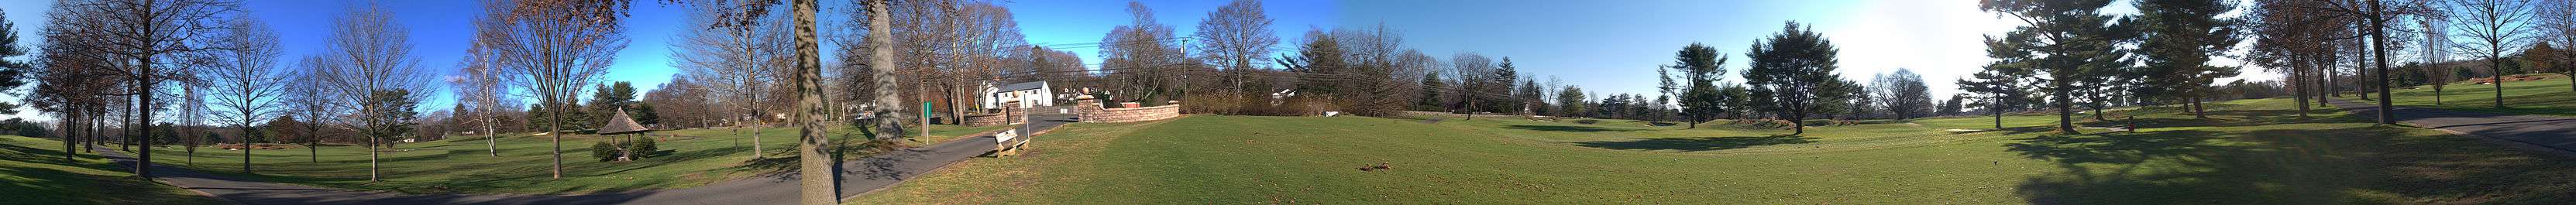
x=1011 y=113
x=1086 y=108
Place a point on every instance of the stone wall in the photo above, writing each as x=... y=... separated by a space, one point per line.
x=1090 y=111
x=996 y=118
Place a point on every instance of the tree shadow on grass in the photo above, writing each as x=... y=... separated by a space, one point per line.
x=2284 y=166
x=1694 y=144
x=1563 y=128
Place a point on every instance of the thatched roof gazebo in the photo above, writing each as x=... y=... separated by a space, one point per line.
x=622 y=124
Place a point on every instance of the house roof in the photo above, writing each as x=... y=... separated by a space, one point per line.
x=1031 y=85
x=621 y=124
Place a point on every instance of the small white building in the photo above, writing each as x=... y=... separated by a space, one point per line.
x=1035 y=92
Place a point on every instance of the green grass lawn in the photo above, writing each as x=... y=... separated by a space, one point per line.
x=2249 y=153
x=35 y=173
x=462 y=165
x=2544 y=97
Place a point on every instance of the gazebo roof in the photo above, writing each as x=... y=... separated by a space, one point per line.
x=621 y=124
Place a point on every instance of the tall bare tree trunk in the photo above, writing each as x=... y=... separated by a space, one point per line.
x=754 y=111
x=313 y=140
x=553 y=128
x=2496 y=67
x=374 y=154
x=143 y=104
x=815 y=164
x=2330 y=86
x=69 y=142
x=2065 y=108
x=2299 y=90
x=491 y=143
x=2379 y=43
x=881 y=64
x=245 y=140
x=1991 y=107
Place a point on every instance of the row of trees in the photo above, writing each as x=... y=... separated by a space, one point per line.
x=1791 y=77
x=133 y=56
x=2070 y=54
x=2317 y=42
x=103 y=55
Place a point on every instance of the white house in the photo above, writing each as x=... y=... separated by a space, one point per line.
x=1035 y=91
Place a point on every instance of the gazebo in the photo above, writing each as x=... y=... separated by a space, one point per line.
x=622 y=124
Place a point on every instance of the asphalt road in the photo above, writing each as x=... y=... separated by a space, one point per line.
x=2544 y=132
x=856 y=177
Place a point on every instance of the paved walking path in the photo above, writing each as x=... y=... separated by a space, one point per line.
x=2546 y=132
x=856 y=177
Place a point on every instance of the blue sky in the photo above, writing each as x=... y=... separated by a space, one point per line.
x=1602 y=46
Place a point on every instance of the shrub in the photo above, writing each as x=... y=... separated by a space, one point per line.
x=644 y=147
x=603 y=150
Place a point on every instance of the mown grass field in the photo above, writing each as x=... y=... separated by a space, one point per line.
x=2544 y=97
x=34 y=172
x=461 y=164
x=2251 y=152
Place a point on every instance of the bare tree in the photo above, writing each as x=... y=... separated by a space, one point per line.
x=2557 y=25
x=71 y=79
x=1143 y=57
x=554 y=47
x=247 y=81
x=369 y=54
x=815 y=160
x=143 y=37
x=481 y=90
x=2436 y=58
x=307 y=98
x=2495 y=29
x=884 y=98
x=192 y=109
x=1236 y=37
x=681 y=102
x=740 y=61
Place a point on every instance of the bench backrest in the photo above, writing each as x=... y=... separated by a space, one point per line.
x=1006 y=137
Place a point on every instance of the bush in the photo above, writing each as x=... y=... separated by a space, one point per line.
x=603 y=150
x=644 y=147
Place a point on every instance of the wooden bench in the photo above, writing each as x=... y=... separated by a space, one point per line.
x=1009 y=142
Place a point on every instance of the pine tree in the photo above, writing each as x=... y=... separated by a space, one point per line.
x=1701 y=67
x=2065 y=44
x=1792 y=73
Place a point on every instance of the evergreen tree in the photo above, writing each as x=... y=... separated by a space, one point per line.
x=2002 y=90
x=1792 y=72
x=2179 y=39
x=1952 y=106
x=12 y=72
x=1430 y=100
x=1701 y=67
x=1570 y=101
x=2065 y=44
x=1502 y=82
x=606 y=101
